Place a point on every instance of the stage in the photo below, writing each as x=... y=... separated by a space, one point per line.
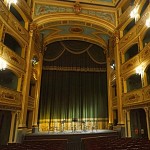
x=70 y=135
x=74 y=138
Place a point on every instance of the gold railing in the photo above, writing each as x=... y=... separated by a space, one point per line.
x=10 y=99
x=12 y=57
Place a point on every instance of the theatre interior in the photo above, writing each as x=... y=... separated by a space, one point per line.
x=75 y=74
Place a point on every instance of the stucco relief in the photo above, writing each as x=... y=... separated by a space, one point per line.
x=132 y=98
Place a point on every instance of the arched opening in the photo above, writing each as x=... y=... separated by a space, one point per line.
x=12 y=43
x=146 y=38
x=148 y=74
x=8 y=79
x=131 y=52
x=129 y=27
x=134 y=82
x=138 y=123
x=17 y=15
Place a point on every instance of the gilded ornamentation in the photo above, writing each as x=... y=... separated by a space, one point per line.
x=77 y=8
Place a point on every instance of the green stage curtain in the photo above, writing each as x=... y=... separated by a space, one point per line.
x=73 y=94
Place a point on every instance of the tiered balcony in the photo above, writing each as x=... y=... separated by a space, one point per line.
x=13 y=24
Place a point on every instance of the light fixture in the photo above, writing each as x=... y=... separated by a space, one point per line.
x=3 y=64
x=134 y=13
x=139 y=70
x=9 y=2
x=35 y=60
x=112 y=64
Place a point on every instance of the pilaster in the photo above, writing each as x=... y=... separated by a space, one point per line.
x=12 y=128
x=110 y=112
x=118 y=80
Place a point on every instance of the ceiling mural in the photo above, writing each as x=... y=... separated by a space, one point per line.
x=74 y=20
x=43 y=9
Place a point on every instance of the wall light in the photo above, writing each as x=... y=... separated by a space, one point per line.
x=134 y=13
x=9 y=2
x=139 y=70
x=3 y=64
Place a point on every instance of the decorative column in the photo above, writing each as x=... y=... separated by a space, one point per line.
x=25 y=90
x=118 y=80
x=110 y=112
x=147 y=121
x=128 y=124
x=37 y=94
x=12 y=128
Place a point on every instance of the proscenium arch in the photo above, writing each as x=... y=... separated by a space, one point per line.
x=83 y=18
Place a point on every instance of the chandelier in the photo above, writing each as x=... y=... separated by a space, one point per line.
x=3 y=64
x=134 y=13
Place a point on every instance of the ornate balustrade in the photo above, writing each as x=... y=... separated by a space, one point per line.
x=10 y=99
x=137 y=97
x=31 y=101
x=12 y=57
x=130 y=64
